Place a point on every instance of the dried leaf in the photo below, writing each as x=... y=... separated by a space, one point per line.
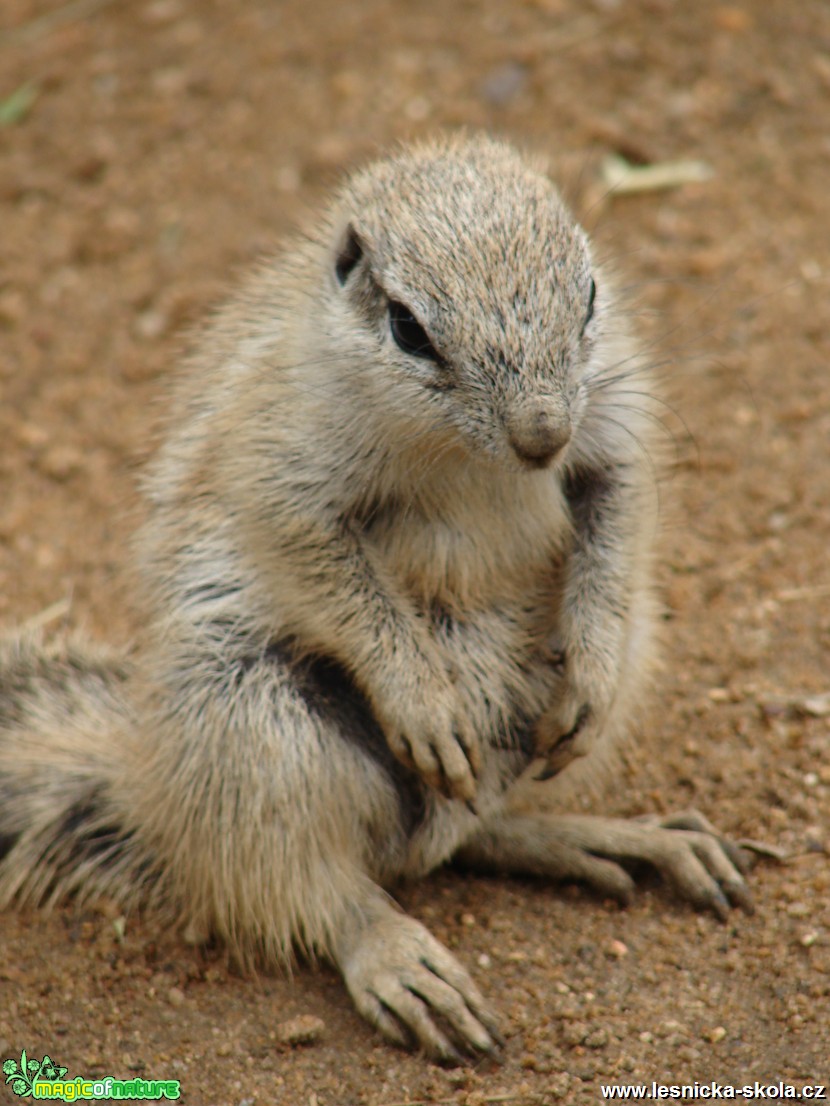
x=621 y=177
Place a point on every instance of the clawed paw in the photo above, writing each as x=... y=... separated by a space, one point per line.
x=417 y=994
x=445 y=757
x=564 y=748
x=686 y=849
x=704 y=867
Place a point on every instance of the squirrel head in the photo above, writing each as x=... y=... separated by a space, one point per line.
x=465 y=283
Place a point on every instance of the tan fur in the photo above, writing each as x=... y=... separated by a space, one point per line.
x=381 y=592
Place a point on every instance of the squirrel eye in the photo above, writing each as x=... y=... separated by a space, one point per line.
x=408 y=332
x=348 y=257
x=592 y=295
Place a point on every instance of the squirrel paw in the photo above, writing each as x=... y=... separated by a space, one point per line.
x=704 y=867
x=584 y=690
x=686 y=849
x=566 y=747
x=443 y=754
x=417 y=994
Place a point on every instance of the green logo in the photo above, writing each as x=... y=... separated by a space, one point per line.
x=24 y=1077
x=30 y=1078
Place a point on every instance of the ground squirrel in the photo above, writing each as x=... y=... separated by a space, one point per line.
x=397 y=560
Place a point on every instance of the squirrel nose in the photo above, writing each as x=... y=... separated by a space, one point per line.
x=538 y=432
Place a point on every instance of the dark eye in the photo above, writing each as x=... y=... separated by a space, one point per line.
x=592 y=295
x=408 y=332
x=348 y=257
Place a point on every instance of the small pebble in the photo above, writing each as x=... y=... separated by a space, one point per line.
x=716 y=1034
x=599 y=1038
x=32 y=436
x=575 y=1033
x=504 y=83
x=618 y=949
x=669 y=1027
x=475 y=1098
x=689 y=1054
x=799 y=910
x=302 y=1030
x=161 y=11
x=61 y=462
x=175 y=996
x=12 y=306
x=733 y=19
x=558 y=1087
x=150 y=325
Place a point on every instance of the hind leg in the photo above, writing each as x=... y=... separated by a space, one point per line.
x=280 y=814
x=685 y=849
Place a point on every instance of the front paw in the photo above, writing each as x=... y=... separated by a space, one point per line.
x=587 y=687
x=430 y=736
x=566 y=747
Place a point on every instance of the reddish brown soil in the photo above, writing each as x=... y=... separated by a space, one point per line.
x=167 y=144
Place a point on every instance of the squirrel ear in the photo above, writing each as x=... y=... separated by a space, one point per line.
x=348 y=256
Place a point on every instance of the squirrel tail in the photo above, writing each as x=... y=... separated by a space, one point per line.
x=65 y=726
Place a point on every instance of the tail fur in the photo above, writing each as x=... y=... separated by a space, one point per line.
x=63 y=717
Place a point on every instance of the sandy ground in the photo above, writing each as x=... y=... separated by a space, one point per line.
x=148 y=152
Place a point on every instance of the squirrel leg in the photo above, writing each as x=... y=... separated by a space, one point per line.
x=686 y=850
x=285 y=842
x=605 y=607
